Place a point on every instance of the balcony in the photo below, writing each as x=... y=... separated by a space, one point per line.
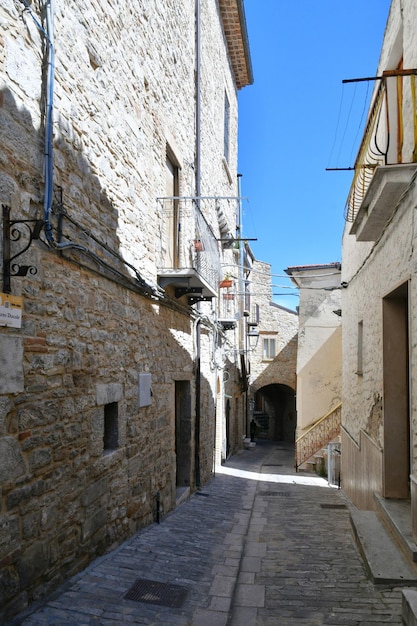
x=387 y=157
x=188 y=254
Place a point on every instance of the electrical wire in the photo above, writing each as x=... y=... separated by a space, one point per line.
x=347 y=124
x=49 y=164
x=253 y=271
x=359 y=130
x=337 y=125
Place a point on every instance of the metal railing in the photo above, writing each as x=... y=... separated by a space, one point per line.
x=391 y=119
x=186 y=239
x=318 y=435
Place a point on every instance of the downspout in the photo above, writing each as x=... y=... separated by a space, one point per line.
x=243 y=347
x=48 y=36
x=198 y=194
x=49 y=122
x=197 y=402
x=198 y=103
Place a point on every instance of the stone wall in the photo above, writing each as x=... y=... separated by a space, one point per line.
x=83 y=457
x=276 y=322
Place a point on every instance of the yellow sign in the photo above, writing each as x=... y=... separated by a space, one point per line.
x=11 y=310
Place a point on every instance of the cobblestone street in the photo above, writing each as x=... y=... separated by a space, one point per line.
x=260 y=545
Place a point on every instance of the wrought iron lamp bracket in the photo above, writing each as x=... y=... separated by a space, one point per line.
x=24 y=231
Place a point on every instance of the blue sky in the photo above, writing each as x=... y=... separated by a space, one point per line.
x=298 y=119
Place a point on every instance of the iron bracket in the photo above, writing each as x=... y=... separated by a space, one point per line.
x=183 y=291
x=24 y=231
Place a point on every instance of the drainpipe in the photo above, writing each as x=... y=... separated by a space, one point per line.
x=198 y=194
x=198 y=102
x=243 y=341
x=197 y=403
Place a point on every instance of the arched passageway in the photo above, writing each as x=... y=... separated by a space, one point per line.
x=274 y=413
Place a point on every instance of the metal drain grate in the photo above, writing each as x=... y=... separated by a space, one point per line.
x=333 y=506
x=272 y=465
x=153 y=592
x=277 y=494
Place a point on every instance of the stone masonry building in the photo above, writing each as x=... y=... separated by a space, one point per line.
x=118 y=185
x=273 y=331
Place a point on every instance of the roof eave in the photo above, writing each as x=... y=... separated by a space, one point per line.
x=233 y=12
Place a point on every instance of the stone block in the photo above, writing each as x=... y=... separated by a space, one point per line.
x=32 y=564
x=12 y=464
x=94 y=523
x=11 y=364
x=30 y=525
x=9 y=535
x=24 y=494
x=9 y=584
x=112 y=392
x=94 y=492
x=40 y=457
x=5 y=408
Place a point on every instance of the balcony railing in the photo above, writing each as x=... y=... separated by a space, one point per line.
x=189 y=254
x=390 y=136
x=320 y=434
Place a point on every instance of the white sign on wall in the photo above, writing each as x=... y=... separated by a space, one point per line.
x=11 y=310
x=144 y=389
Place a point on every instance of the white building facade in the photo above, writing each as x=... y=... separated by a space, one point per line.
x=379 y=296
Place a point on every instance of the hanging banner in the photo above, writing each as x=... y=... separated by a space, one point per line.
x=11 y=310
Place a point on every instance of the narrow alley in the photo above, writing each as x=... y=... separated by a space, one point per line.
x=260 y=545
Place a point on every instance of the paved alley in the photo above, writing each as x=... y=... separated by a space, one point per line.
x=259 y=546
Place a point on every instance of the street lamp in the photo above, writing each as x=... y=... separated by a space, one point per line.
x=253 y=336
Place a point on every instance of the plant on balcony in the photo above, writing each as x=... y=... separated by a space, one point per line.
x=226 y=282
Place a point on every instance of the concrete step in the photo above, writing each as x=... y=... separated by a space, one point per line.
x=383 y=559
x=409 y=607
x=396 y=514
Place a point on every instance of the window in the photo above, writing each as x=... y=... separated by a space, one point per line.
x=172 y=224
x=247 y=295
x=226 y=127
x=111 y=427
x=359 y=367
x=268 y=349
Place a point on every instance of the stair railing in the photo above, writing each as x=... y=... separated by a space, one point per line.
x=318 y=435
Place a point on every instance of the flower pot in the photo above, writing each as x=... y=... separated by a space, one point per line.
x=198 y=245
x=226 y=283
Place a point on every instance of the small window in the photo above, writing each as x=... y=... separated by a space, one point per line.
x=111 y=427
x=359 y=367
x=247 y=295
x=226 y=127
x=268 y=349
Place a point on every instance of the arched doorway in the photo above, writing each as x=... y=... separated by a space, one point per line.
x=274 y=413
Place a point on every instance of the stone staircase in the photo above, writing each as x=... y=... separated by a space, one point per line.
x=262 y=422
x=386 y=544
x=310 y=446
x=326 y=462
